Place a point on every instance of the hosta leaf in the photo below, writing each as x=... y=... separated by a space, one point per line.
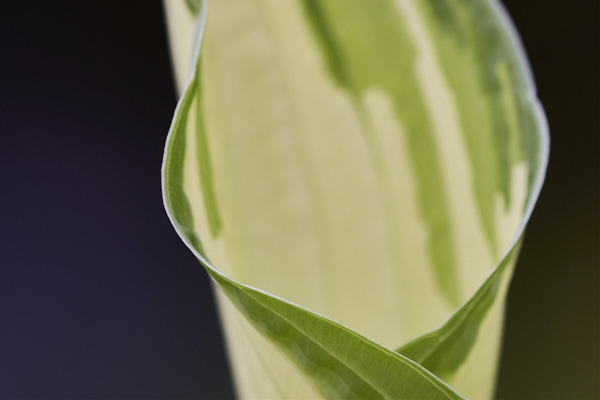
x=356 y=177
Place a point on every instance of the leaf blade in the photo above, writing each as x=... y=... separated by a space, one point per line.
x=188 y=201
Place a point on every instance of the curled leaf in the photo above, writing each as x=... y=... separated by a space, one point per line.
x=356 y=177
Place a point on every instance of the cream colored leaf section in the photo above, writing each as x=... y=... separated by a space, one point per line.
x=181 y=25
x=474 y=256
x=297 y=178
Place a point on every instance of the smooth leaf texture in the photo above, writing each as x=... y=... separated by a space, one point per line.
x=356 y=177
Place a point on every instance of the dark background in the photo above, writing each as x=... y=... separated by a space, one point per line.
x=100 y=299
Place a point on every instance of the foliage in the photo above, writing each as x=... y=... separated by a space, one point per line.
x=356 y=178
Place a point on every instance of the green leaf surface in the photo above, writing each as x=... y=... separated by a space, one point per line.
x=356 y=177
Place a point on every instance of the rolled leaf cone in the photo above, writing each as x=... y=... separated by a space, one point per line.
x=356 y=177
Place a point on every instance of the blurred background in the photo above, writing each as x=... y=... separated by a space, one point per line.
x=100 y=299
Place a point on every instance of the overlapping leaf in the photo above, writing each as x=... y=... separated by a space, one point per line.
x=356 y=177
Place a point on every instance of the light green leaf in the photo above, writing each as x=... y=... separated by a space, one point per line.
x=356 y=177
